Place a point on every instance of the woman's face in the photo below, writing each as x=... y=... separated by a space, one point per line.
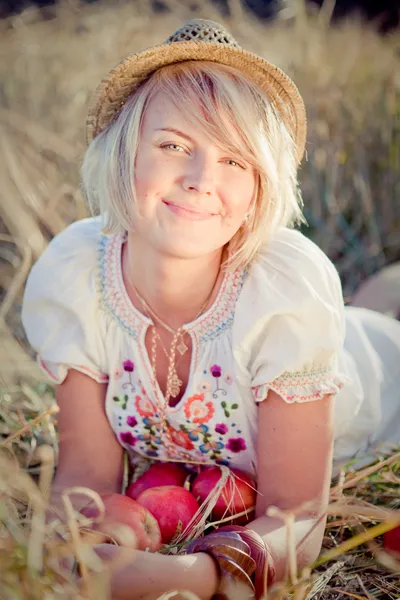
x=192 y=195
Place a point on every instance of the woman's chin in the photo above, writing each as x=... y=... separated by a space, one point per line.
x=187 y=250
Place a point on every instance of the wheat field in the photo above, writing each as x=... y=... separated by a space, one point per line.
x=349 y=78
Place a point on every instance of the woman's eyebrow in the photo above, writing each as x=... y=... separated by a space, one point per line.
x=176 y=131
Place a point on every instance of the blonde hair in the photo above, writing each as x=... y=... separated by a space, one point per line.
x=217 y=90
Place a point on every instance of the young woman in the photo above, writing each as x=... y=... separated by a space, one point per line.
x=190 y=321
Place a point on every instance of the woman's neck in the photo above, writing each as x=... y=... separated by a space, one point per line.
x=176 y=289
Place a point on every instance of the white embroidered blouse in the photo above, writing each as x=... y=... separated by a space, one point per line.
x=277 y=326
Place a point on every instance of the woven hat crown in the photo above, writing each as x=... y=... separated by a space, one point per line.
x=203 y=30
x=197 y=40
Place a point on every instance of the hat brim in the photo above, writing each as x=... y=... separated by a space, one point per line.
x=124 y=78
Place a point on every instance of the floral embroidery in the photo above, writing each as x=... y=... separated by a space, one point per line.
x=221 y=428
x=144 y=406
x=236 y=445
x=197 y=410
x=196 y=432
x=180 y=438
x=118 y=373
x=127 y=438
x=151 y=442
x=151 y=436
x=228 y=407
x=128 y=367
x=121 y=400
x=152 y=423
x=139 y=426
x=205 y=387
x=216 y=371
x=211 y=446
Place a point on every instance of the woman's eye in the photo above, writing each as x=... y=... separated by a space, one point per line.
x=173 y=147
x=234 y=163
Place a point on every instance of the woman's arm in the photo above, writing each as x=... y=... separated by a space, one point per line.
x=89 y=453
x=295 y=446
x=148 y=575
x=294 y=467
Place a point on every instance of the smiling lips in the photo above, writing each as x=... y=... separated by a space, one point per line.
x=188 y=213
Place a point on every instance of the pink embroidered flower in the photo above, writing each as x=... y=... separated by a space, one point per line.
x=221 y=428
x=205 y=387
x=144 y=406
x=131 y=421
x=118 y=373
x=228 y=379
x=180 y=438
x=197 y=410
x=128 y=366
x=216 y=371
x=236 y=445
x=127 y=438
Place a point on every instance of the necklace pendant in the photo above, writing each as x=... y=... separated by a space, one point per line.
x=175 y=385
x=182 y=348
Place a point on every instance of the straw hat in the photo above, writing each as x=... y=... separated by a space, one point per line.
x=198 y=39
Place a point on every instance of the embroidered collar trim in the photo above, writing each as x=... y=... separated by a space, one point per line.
x=116 y=301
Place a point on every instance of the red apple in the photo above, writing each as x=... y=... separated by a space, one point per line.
x=121 y=509
x=172 y=506
x=236 y=496
x=158 y=474
x=391 y=540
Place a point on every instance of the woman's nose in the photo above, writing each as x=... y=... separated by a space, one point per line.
x=199 y=177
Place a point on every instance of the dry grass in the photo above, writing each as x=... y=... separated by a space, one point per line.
x=363 y=505
x=349 y=79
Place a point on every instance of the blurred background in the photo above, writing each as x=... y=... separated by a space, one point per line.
x=343 y=55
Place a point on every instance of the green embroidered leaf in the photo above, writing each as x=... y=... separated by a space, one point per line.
x=233 y=406
x=227 y=414
x=223 y=404
x=115 y=398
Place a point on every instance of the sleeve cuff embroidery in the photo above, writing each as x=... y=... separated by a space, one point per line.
x=303 y=386
x=58 y=372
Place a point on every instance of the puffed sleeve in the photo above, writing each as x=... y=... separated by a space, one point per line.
x=60 y=310
x=289 y=326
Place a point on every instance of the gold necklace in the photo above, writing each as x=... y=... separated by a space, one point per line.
x=176 y=382
x=173 y=382
x=181 y=347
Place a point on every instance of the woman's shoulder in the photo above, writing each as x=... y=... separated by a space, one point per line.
x=83 y=235
x=292 y=255
x=60 y=310
x=291 y=277
x=67 y=269
x=290 y=313
x=75 y=248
